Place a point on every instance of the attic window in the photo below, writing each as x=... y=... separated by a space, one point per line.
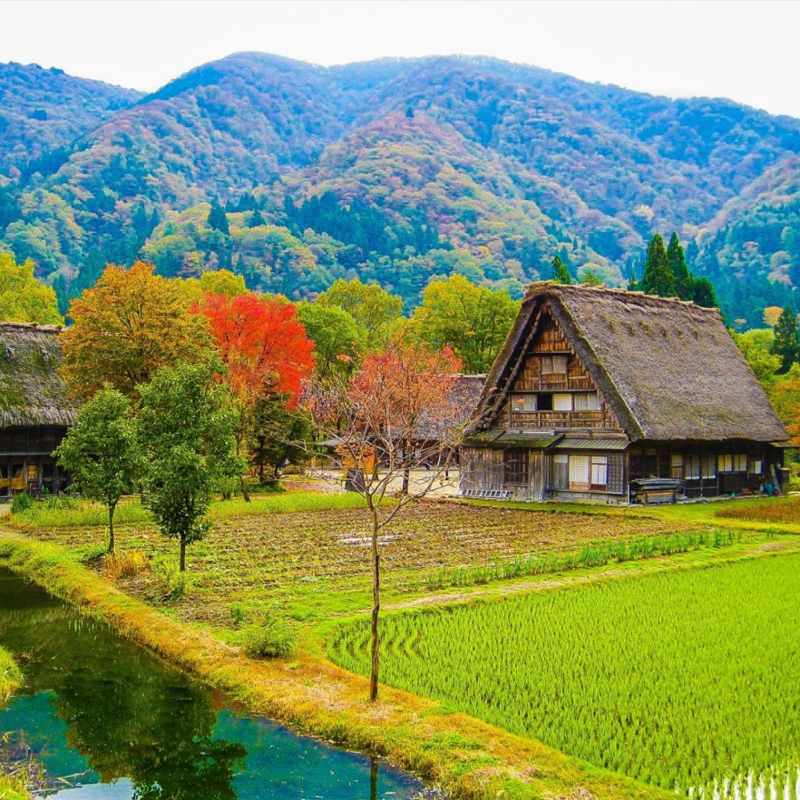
x=45 y=353
x=10 y=352
x=554 y=365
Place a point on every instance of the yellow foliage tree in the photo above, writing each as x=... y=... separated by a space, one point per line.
x=22 y=297
x=771 y=315
x=130 y=324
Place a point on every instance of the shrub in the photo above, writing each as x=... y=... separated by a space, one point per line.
x=176 y=583
x=21 y=502
x=274 y=638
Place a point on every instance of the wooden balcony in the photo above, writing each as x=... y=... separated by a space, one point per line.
x=556 y=420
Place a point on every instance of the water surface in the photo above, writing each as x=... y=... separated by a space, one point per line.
x=101 y=719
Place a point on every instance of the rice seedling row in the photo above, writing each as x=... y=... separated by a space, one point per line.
x=689 y=681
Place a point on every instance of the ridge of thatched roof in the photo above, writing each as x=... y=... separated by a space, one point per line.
x=32 y=391
x=668 y=367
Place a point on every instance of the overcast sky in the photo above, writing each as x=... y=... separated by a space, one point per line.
x=747 y=51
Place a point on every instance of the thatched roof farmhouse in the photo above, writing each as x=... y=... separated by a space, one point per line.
x=35 y=410
x=596 y=388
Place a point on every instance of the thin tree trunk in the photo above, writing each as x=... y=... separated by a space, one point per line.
x=376 y=608
x=183 y=553
x=245 y=493
x=407 y=468
x=111 y=508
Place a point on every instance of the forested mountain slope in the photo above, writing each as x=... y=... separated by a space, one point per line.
x=419 y=167
x=44 y=109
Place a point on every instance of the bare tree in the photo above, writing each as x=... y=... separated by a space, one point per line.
x=400 y=412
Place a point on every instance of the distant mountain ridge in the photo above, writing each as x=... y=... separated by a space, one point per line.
x=491 y=168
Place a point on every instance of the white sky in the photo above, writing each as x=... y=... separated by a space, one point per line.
x=745 y=50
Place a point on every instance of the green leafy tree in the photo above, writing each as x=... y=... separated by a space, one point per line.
x=681 y=276
x=590 y=278
x=473 y=320
x=371 y=306
x=657 y=278
x=560 y=272
x=278 y=436
x=100 y=451
x=756 y=346
x=186 y=429
x=339 y=341
x=633 y=284
x=22 y=297
x=703 y=293
x=217 y=219
x=786 y=344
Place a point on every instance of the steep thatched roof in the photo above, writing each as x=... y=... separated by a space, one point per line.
x=466 y=393
x=669 y=368
x=32 y=391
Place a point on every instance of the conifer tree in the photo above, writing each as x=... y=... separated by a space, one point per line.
x=217 y=219
x=560 y=272
x=786 y=343
x=657 y=278
x=703 y=293
x=677 y=266
x=256 y=219
x=633 y=284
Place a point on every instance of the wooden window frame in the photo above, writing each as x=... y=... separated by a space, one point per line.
x=516 y=467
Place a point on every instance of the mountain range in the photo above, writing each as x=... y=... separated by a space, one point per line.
x=395 y=171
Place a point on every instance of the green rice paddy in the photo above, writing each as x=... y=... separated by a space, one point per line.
x=686 y=680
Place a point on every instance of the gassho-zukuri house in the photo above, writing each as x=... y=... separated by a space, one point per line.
x=598 y=388
x=35 y=411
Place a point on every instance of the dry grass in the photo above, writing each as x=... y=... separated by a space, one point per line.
x=780 y=511
x=125 y=565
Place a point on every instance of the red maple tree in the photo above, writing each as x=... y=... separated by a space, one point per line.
x=261 y=342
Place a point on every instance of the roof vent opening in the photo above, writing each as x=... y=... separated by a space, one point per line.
x=9 y=352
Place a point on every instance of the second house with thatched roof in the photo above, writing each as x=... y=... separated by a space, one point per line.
x=598 y=392
x=35 y=411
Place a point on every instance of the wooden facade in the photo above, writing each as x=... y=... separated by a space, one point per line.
x=558 y=420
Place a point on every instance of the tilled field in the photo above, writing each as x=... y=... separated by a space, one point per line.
x=305 y=557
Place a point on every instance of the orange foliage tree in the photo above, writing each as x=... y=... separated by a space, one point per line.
x=265 y=350
x=128 y=326
x=398 y=413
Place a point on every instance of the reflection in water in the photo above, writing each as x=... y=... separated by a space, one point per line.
x=100 y=718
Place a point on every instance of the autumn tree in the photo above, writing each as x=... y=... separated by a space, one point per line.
x=185 y=428
x=221 y=281
x=560 y=272
x=22 y=297
x=657 y=278
x=786 y=344
x=473 y=321
x=101 y=453
x=371 y=306
x=265 y=351
x=376 y=416
x=128 y=326
x=682 y=278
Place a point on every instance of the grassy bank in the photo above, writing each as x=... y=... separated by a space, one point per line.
x=12 y=789
x=67 y=513
x=468 y=758
x=10 y=676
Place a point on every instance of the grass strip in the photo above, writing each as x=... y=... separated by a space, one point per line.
x=468 y=758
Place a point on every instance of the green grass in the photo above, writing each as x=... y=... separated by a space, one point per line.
x=597 y=554
x=675 y=679
x=10 y=676
x=65 y=513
